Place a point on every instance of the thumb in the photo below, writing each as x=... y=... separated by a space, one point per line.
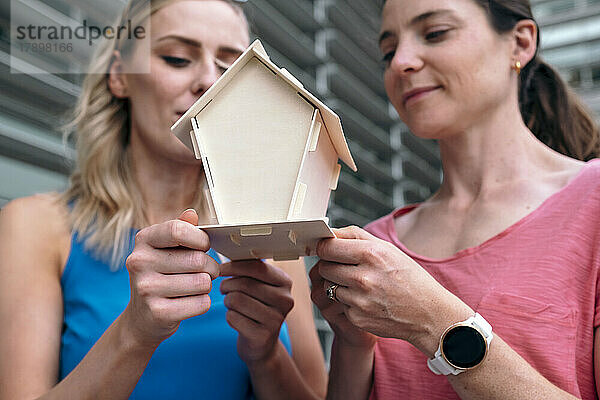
x=190 y=216
x=352 y=232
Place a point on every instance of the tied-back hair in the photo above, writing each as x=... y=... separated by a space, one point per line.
x=550 y=109
x=104 y=199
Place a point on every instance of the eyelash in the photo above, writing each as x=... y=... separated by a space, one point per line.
x=223 y=66
x=176 y=62
x=387 y=57
x=436 y=36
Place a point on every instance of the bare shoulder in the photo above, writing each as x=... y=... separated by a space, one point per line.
x=37 y=225
x=563 y=169
x=41 y=214
x=34 y=241
x=46 y=203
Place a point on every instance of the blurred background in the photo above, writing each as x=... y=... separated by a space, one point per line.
x=329 y=45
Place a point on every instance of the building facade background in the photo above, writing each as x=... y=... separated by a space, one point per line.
x=570 y=32
x=329 y=45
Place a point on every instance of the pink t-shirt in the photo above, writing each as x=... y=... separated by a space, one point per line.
x=536 y=283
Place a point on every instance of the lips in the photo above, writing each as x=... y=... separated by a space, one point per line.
x=178 y=115
x=417 y=93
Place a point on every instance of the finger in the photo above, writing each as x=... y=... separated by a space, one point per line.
x=352 y=232
x=190 y=215
x=336 y=291
x=333 y=310
x=173 y=234
x=314 y=275
x=258 y=270
x=344 y=251
x=241 y=323
x=342 y=295
x=180 y=308
x=327 y=307
x=274 y=296
x=253 y=309
x=318 y=294
x=327 y=284
x=316 y=281
x=342 y=274
x=172 y=261
x=176 y=285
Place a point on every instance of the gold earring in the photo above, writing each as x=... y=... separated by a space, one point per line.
x=517 y=67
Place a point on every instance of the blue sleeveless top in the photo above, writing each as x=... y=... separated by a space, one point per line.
x=199 y=361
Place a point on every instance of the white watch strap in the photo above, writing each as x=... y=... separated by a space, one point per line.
x=439 y=366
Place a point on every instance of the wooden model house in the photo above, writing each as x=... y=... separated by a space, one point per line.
x=270 y=153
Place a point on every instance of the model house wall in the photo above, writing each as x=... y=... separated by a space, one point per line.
x=254 y=135
x=318 y=175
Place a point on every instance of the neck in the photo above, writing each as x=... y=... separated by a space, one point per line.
x=166 y=187
x=496 y=151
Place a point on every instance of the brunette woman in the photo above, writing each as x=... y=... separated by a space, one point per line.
x=509 y=246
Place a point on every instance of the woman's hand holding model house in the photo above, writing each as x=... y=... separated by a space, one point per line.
x=170 y=278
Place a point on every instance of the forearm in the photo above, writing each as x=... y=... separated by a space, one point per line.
x=351 y=372
x=505 y=375
x=278 y=374
x=110 y=370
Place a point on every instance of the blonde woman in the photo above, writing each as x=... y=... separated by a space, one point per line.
x=77 y=320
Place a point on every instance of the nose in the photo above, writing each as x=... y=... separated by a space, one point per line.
x=406 y=59
x=206 y=74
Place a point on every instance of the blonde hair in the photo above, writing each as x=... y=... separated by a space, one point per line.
x=104 y=199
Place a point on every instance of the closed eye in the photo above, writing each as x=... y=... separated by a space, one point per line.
x=222 y=65
x=176 y=61
x=387 y=58
x=436 y=36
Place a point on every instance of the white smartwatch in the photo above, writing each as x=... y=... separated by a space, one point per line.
x=463 y=346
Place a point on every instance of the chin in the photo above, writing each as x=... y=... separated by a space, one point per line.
x=426 y=129
x=431 y=125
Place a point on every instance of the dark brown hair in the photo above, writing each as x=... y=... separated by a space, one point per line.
x=548 y=106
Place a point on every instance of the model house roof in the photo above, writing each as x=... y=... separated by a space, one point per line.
x=333 y=126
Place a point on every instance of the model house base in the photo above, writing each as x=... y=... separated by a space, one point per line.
x=279 y=241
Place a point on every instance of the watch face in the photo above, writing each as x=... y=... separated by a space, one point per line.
x=464 y=347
